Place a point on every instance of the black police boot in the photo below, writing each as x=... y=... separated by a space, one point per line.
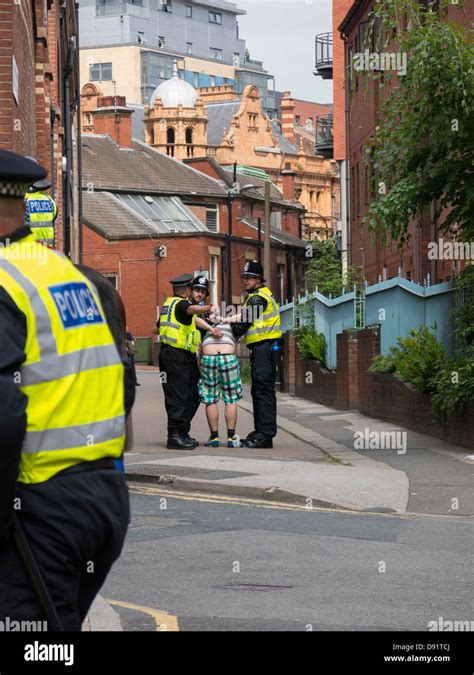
x=259 y=441
x=249 y=437
x=177 y=441
x=190 y=438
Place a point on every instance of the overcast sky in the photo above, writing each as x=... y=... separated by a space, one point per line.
x=281 y=34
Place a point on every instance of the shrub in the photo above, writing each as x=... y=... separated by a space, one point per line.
x=417 y=359
x=420 y=360
x=454 y=387
x=311 y=344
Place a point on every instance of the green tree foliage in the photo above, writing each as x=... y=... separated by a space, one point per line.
x=423 y=147
x=325 y=270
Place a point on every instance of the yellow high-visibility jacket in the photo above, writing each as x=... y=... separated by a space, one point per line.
x=72 y=374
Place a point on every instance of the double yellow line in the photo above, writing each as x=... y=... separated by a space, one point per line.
x=163 y=620
x=258 y=503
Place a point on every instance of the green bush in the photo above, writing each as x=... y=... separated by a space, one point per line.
x=420 y=360
x=311 y=344
x=454 y=387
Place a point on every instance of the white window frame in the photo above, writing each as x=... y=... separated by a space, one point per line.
x=213 y=268
x=216 y=212
x=188 y=12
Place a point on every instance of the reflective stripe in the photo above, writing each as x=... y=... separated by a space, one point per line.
x=170 y=324
x=44 y=330
x=168 y=338
x=56 y=366
x=74 y=436
x=264 y=329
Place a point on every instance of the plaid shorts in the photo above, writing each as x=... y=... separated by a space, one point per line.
x=220 y=374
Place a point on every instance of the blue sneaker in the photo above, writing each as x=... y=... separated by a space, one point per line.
x=234 y=442
x=212 y=443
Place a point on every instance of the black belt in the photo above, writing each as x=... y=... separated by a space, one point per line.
x=105 y=463
x=252 y=345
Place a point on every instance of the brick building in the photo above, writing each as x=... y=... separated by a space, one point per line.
x=212 y=122
x=362 y=116
x=149 y=217
x=38 y=75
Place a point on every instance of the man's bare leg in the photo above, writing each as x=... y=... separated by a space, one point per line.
x=231 y=415
x=212 y=414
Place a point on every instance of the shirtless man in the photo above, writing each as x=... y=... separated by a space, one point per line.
x=220 y=375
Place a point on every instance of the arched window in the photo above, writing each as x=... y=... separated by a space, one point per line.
x=189 y=141
x=151 y=137
x=170 y=141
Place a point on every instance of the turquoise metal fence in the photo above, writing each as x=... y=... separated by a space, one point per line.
x=397 y=305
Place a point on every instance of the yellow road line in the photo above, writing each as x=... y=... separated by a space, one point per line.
x=259 y=503
x=163 y=620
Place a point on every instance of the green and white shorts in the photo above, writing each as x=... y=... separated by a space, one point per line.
x=220 y=375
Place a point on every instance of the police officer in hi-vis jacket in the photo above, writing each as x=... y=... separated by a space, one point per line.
x=62 y=422
x=179 y=336
x=261 y=326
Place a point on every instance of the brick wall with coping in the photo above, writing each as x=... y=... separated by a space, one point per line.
x=353 y=387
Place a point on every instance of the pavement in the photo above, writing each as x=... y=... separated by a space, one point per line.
x=313 y=460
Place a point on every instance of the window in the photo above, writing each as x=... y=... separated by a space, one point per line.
x=112 y=278
x=195 y=79
x=213 y=279
x=252 y=120
x=212 y=80
x=165 y=5
x=161 y=41
x=108 y=7
x=189 y=47
x=189 y=141
x=163 y=214
x=141 y=37
x=100 y=71
x=215 y=17
x=189 y=11
x=298 y=120
x=216 y=53
x=236 y=59
x=212 y=219
x=170 y=140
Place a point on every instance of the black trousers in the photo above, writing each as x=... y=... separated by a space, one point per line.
x=75 y=524
x=180 y=388
x=263 y=388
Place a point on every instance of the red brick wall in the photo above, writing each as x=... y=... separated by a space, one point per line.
x=376 y=259
x=306 y=109
x=33 y=38
x=17 y=119
x=339 y=11
x=384 y=397
x=313 y=381
x=347 y=370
